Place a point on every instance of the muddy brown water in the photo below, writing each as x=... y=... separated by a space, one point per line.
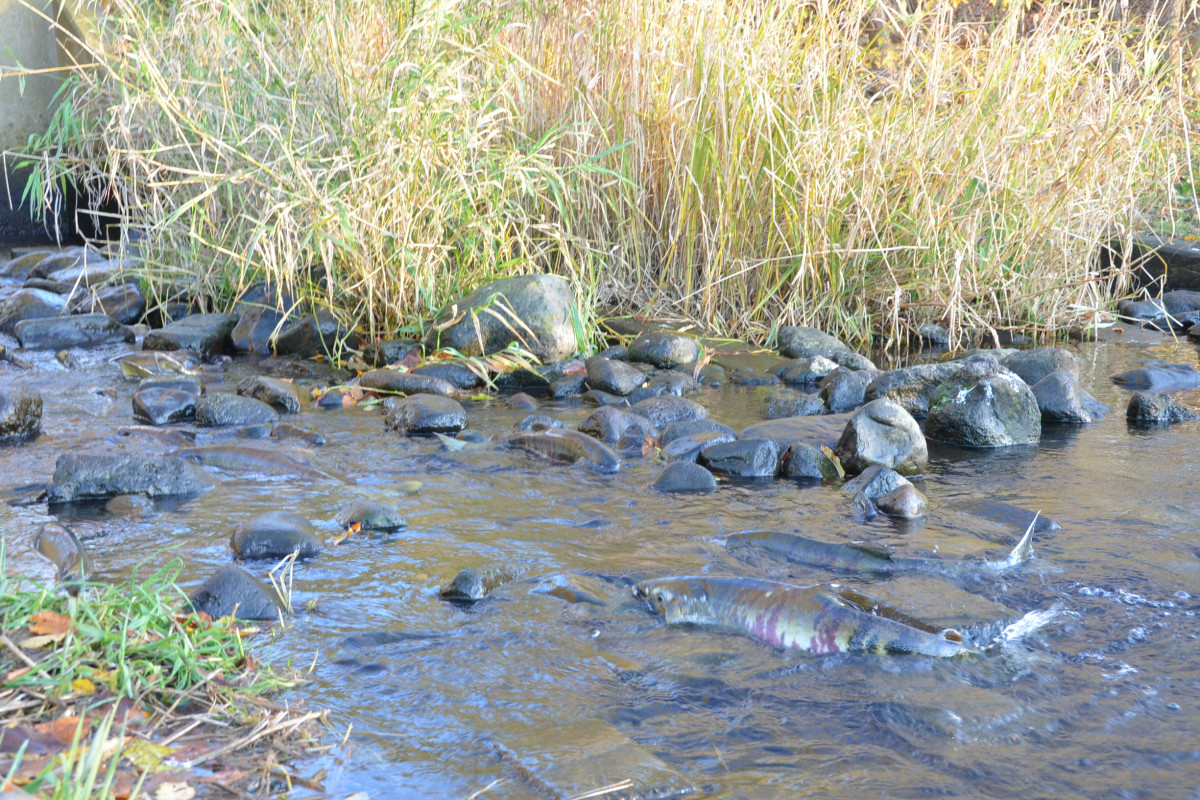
x=528 y=695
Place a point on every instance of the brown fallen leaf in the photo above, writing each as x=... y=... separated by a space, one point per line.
x=649 y=447
x=63 y=729
x=49 y=623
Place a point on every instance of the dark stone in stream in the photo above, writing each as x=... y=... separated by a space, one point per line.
x=372 y=515
x=86 y=274
x=457 y=375
x=231 y=590
x=567 y=386
x=882 y=433
x=78 y=476
x=802 y=460
x=132 y=506
x=303 y=334
x=79 y=330
x=207 y=334
x=124 y=303
x=1146 y=408
x=909 y=387
x=539 y=422
x=380 y=354
x=608 y=424
x=1033 y=365
x=983 y=405
x=685 y=477
x=615 y=377
x=664 y=349
x=1175 y=303
x=790 y=403
x=851 y=360
x=276 y=534
x=799 y=341
x=421 y=414
x=807 y=371
x=1159 y=377
x=687 y=448
x=29 y=304
x=905 y=502
x=162 y=406
x=597 y=398
x=283 y=396
x=678 y=430
x=392 y=381
x=747 y=376
x=520 y=400
x=20 y=412
x=220 y=409
x=667 y=383
x=744 y=458
x=845 y=389
x=875 y=482
x=662 y=411
x=616 y=353
x=1062 y=399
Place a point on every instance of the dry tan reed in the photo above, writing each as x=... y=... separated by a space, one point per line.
x=737 y=162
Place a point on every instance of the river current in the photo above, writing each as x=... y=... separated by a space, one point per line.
x=528 y=695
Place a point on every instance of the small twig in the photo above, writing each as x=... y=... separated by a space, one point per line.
x=263 y=730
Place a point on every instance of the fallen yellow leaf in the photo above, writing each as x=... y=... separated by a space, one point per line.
x=146 y=756
x=83 y=686
x=38 y=642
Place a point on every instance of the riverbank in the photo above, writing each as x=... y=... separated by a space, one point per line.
x=737 y=165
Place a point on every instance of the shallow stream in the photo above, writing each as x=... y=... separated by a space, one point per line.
x=529 y=695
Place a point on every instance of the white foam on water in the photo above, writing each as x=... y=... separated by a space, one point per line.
x=1027 y=624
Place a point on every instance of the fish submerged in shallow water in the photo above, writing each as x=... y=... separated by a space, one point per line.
x=852 y=558
x=817 y=619
x=565 y=446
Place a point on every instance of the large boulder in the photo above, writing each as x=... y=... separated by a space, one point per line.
x=984 y=405
x=535 y=310
x=207 y=334
x=910 y=387
x=232 y=591
x=80 y=476
x=29 y=304
x=422 y=414
x=20 y=412
x=664 y=349
x=1062 y=399
x=882 y=433
x=799 y=341
x=743 y=458
x=80 y=330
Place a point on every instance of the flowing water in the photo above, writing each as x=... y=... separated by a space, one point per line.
x=528 y=695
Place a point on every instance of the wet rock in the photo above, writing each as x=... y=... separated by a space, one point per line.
x=687 y=448
x=231 y=591
x=421 y=414
x=18 y=268
x=662 y=411
x=689 y=427
x=905 y=502
x=59 y=545
x=29 y=304
x=563 y=446
x=89 y=273
x=20 y=412
x=802 y=460
x=475 y=583
x=162 y=406
x=984 y=406
x=744 y=458
x=523 y=380
x=790 y=403
x=46 y=262
x=799 y=341
x=910 y=387
x=807 y=371
x=875 y=482
x=567 y=386
x=371 y=515
x=665 y=384
x=79 y=476
x=539 y=421
x=845 y=389
x=220 y=409
x=1159 y=377
x=595 y=398
x=132 y=506
x=520 y=400
x=392 y=381
x=283 y=396
x=710 y=375
x=276 y=534
x=80 y=330
x=933 y=335
x=459 y=376
x=664 y=349
x=1179 y=301
x=609 y=424
x=748 y=376
x=1062 y=399
x=380 y=354
x=206 y=334
x=882 y=433
x=308 y=335
x=124 y=303
x=1033 y=365
x=851 y=360
x=539 y=307
x=286 y=431
x=685 y=477
x=1146 y=408
x=617 y=353
x=614 y=377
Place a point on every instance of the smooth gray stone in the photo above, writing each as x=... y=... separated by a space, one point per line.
x=802 y=460
x=78 y=330
x=614 y=377
x=372 y=515
x=677 y=430
x=800 y=341
x=875 y=482
x=162 y=406
x=220 y=409
x=457 y=375
x=983 y=405
x=664 y=349
x=790 y=403
x=420 y=414
x=609 y=424
x=283 y=396
x=662 y=411
x=910 y=387
x=905 y=502
x=1159 y=377
x=79 y=476
x=743 y=458
x=1146 y=408
x=807 y=371
x=845 y=389
x=1033 y=365
x=29 y=304
x=1062 y=399
x=685 y=477
x=207 y=334
x=276 y=534
x=124 y=303
x=396 y=382
x=232 y=591
x=882 y=433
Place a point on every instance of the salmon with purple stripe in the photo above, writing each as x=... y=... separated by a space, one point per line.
x=820 y=619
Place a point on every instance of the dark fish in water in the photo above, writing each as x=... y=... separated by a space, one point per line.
x=857 y=558
x=59 y=545
x=473 y=584
x=817 y=619
x=564 y=446
x=149 y=363
x=254 y=459
x=1008 y=514
x=1159 y=377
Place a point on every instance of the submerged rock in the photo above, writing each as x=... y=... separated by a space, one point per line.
x=231 y=591
x=743 y=458
x=882 y=433
x=421 y=414
x=79 y=476
x=286 y=431
x=685 y=477
x=905 y=502
x=220 y=409
x=563 y=446
x=59 y=545
x=520 y=400
x=276 y=534
x=474 y=584
x=799 y=341
x=20 y=412
x=790 y=403
x=80 y=330
x=1062 y=399
x=158 y=405
x=808 y=371
x=206 y=334
x=371 y=515
x=687 y=448
x=535 y=422
x=677 y=430
x=1159 y=377
x=283 y=396
x=29 y=304
x=534 y=310
x=1146 y=408
x=664 y=349
x=984 y=406
x=802 y=460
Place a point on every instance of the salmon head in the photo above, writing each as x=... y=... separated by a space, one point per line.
x=678 y=599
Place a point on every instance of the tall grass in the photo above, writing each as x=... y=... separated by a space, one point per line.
x=741 y=163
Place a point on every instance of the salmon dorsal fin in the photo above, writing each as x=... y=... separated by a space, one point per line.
x=869 y=605
x=878 y=551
